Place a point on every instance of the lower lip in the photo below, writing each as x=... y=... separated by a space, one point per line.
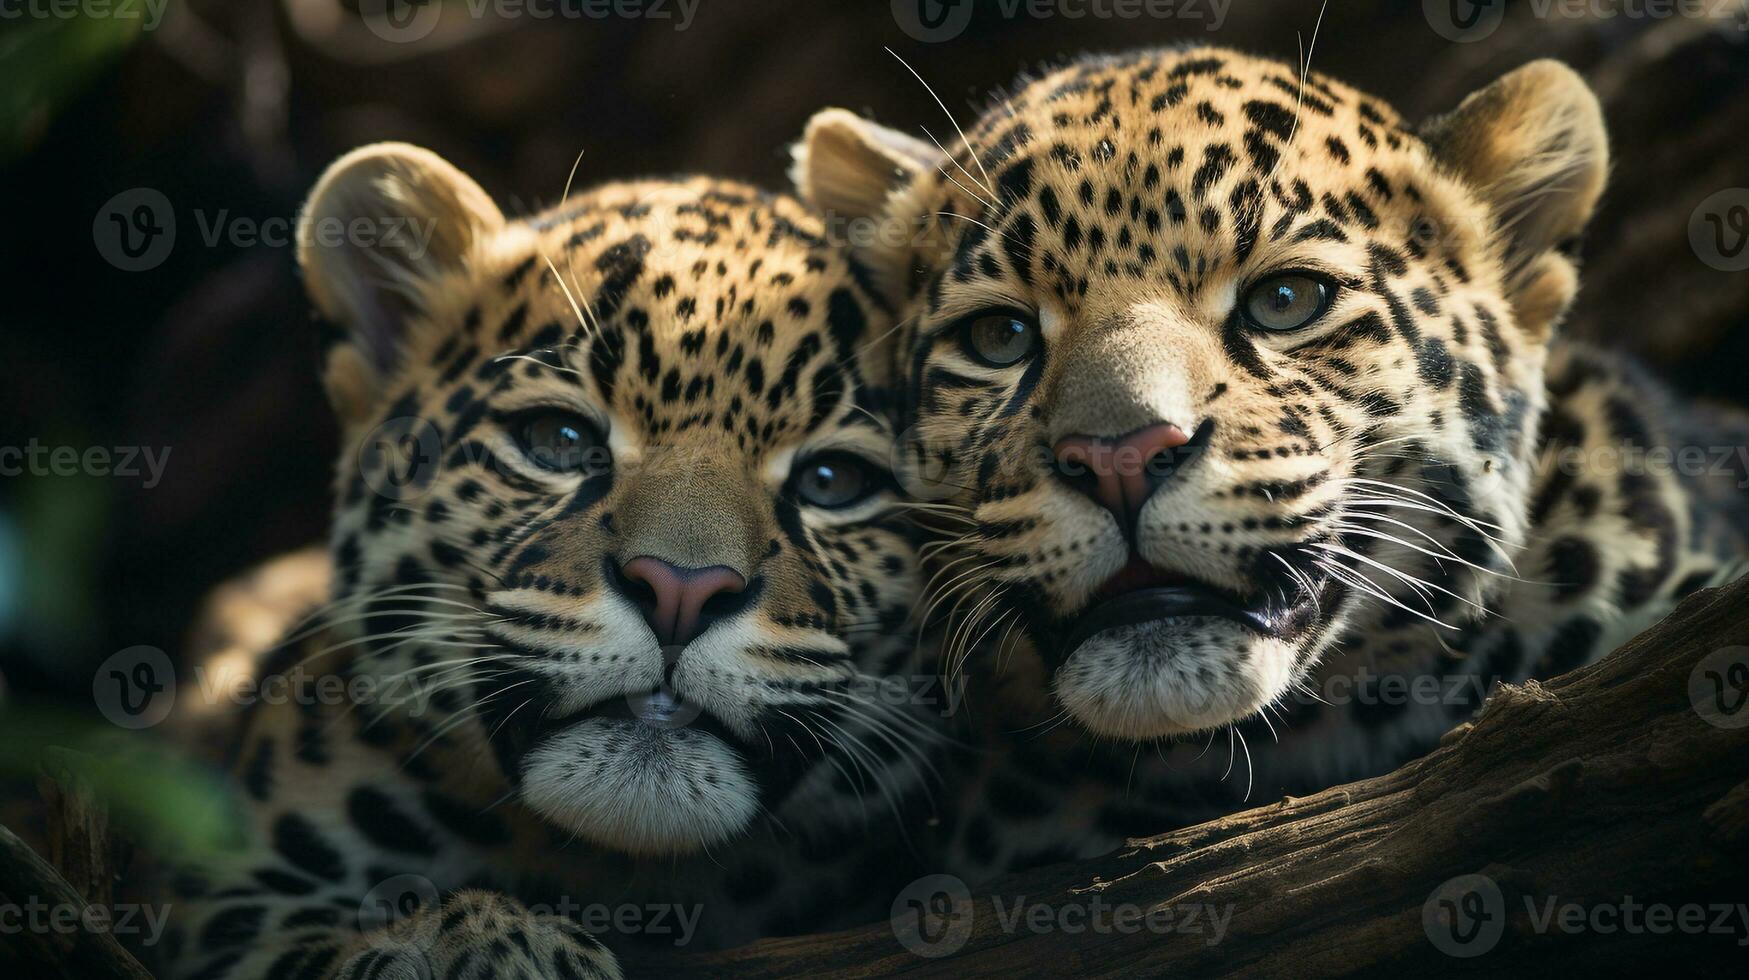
x=657 y=710
x=660 y=710
x=1153 y=605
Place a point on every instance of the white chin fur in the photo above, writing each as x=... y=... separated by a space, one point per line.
x=1173 y=677
x=639 y=788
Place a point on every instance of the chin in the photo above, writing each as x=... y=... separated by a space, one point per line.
x=1158 y=654
x=641 y=789
x=1172 y=677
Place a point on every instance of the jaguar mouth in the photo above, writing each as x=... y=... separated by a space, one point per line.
x=659 y=708
x=1139 y=593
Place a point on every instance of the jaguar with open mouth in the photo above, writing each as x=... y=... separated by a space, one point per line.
x=1345 y=313
x=1152 y=631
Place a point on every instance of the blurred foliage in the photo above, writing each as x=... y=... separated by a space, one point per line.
x=11 y=578
x=62 y=522
x=155 y=796
x=45 y=62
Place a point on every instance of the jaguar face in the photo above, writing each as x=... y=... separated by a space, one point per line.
x=1213 y=362
x=617 y=489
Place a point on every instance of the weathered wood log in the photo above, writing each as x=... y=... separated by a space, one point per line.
x=50 y=928
x=1598 y=820
x=81 y=845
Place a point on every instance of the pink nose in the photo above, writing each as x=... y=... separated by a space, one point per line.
x=674 y=605
x=1121 y=474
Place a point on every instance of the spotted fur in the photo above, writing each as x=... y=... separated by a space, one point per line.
x=1380 y=491
x=528 y=747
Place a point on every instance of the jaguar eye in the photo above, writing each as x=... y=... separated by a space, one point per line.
x=1000 y=339
x=835 y=480
x=1287 y=301
x=563 y=442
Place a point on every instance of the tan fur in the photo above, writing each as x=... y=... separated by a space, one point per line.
x=704 y=339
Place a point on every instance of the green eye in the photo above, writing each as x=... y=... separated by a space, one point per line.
x=835 y=480
x=564 y=443
x=1000 y=339
x=1287 y=301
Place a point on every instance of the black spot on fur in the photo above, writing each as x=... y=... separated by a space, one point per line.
x=385 y=824
x=298 y=842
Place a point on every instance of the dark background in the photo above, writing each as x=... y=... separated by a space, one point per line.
x=234 y=106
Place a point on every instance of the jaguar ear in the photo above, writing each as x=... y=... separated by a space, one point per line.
x=382 y=226
x=1532 y=145
x=849 y=166
x=857 y=174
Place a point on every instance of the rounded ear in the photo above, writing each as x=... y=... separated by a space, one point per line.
x=1532 y=145
x=858 y=175
x=846 y=165
x=382 y=226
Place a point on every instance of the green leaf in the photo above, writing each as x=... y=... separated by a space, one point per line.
x=48 y=58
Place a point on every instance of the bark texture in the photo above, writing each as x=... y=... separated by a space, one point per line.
x=1618 y=786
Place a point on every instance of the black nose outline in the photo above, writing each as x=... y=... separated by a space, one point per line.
x=1157 y=470
x=720 y=606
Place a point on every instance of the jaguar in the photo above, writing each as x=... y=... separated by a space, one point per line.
x=1245 y=410
x=616 y=574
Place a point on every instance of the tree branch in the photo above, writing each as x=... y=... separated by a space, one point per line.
x=1604 y=789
